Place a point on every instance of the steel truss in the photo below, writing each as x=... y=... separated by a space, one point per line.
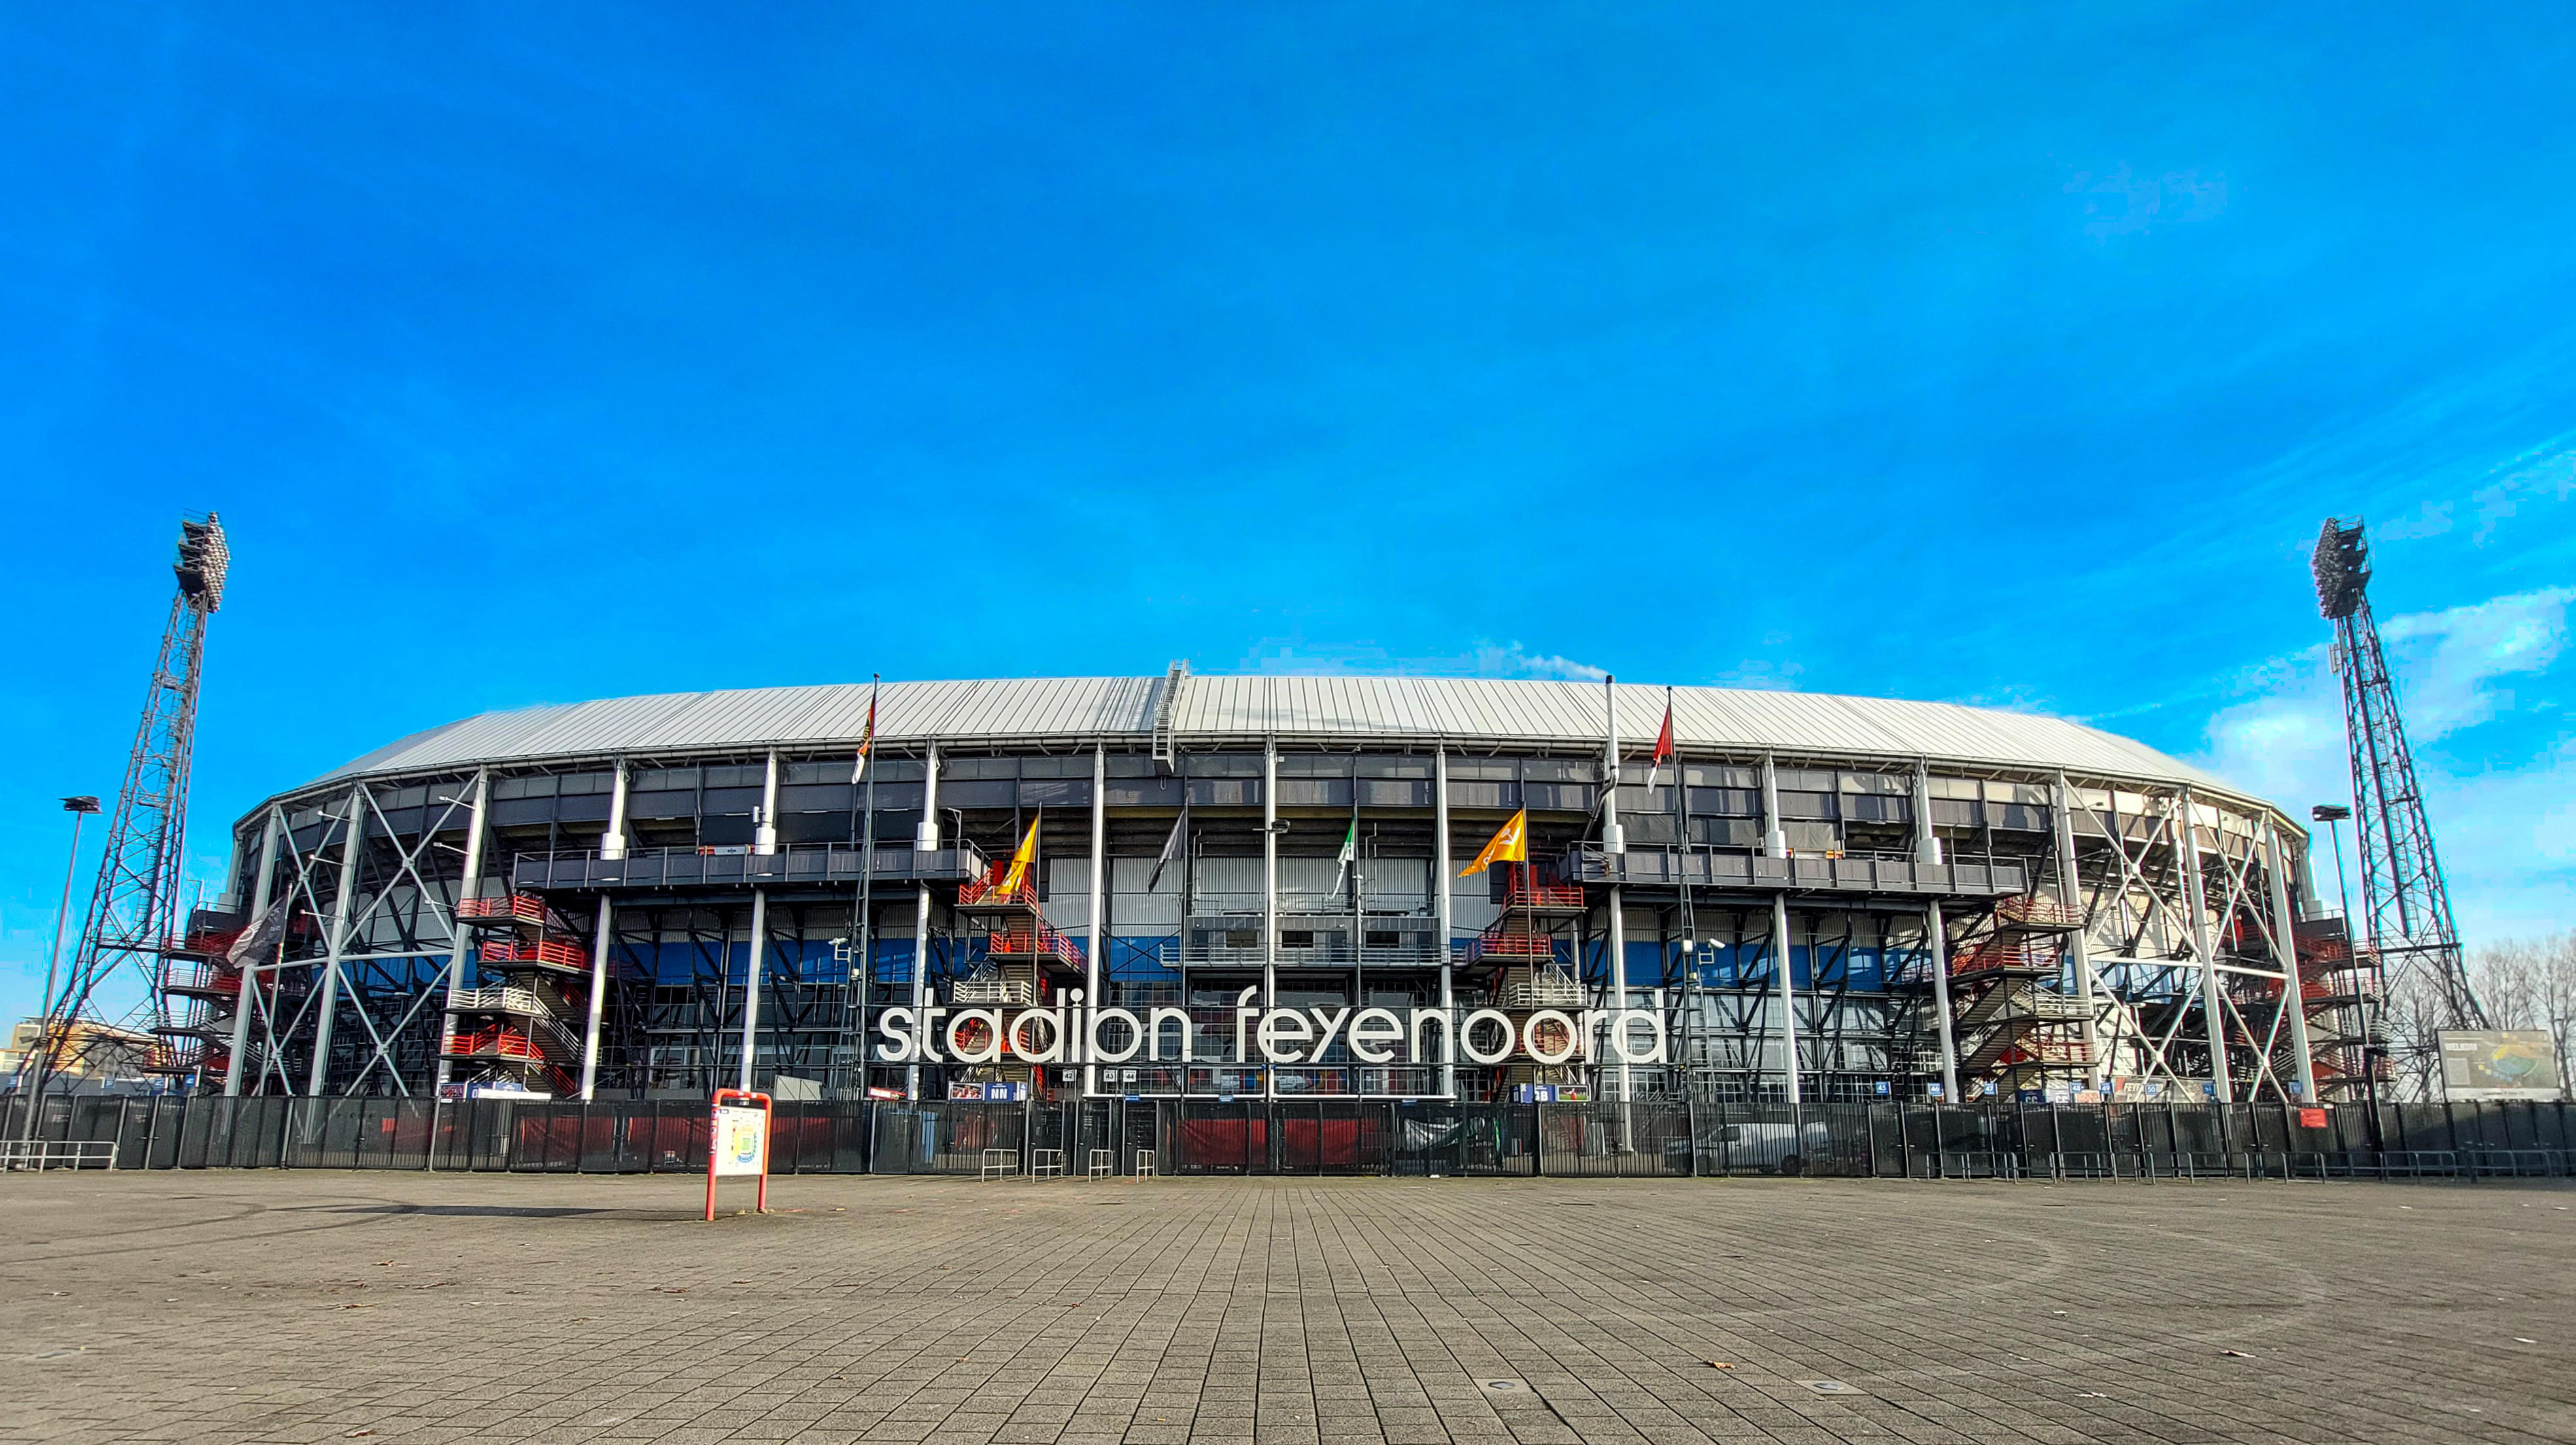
x=2173 y=965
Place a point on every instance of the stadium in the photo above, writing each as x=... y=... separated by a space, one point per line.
x=1268 y=888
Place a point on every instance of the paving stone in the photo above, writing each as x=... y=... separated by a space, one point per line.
x=305 y=1306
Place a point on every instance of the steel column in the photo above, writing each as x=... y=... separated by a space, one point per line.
x=2070 y=892
x=1447 y=907
x=1099 y=907
x=263 y=890
x=603 y=935
x=612 y=843
x=1788 y=992
x=468 y=884
x=340 y=905
x=1614 y=840
x=1927 y=843
x=2285 y=952
x=1775 y=839
x=764 y=830
x=1936 y=947
x=925 y=839
x=2196 y=903
x=751 y=982
x=1269 y=902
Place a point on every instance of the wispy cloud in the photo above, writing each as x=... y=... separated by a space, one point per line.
x=2506 y=826
x=1517 y=661
x=1483 y=659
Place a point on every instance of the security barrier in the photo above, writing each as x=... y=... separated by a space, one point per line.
x=1665 y=1137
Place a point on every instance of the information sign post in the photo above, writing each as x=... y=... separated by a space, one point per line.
x=738 y=1143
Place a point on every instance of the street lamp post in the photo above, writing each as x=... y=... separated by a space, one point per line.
x=2332 y=814
x=42 y=1048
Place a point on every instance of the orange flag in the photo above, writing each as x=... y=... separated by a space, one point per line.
x=1020 y=860
x=1509 y=845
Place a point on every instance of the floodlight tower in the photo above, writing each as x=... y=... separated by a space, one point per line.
x=133 y=906
x=2406 y=907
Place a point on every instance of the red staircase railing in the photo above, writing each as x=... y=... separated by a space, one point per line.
x=516 y=908
x=552 y=951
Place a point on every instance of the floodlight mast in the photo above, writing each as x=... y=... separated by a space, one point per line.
x=133 y=907
x=2406 y=924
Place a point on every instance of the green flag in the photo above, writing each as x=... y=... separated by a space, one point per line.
x=1350 y=853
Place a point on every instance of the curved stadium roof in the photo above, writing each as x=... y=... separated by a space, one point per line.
x=1337 y=709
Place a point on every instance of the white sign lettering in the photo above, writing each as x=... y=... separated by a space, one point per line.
x=1070 y=1035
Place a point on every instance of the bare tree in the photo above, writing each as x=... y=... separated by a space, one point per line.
x=2530 y=983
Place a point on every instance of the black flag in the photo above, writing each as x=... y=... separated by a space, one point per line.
x=1172 y=845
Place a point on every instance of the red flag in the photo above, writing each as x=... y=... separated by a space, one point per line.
x=1663 y=741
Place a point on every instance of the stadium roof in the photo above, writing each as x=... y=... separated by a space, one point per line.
x=1212 y=710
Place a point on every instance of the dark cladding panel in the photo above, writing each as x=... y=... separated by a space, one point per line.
x=1312 y=792
x=1144 y=792
x=979 y=793
x=1726 y=802
x=837 y=796
x=582 y=808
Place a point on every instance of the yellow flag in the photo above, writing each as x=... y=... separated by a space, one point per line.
x=1019 y=874
x=1510 y=845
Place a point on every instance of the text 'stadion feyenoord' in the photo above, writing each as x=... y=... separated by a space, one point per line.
x=1072 y=1034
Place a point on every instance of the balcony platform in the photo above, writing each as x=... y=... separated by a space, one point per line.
x=585 y=871
x=1822 y=876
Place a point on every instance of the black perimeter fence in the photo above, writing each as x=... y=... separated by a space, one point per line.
x=1664 y=1138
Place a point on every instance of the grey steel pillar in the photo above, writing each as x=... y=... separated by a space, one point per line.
x=2070 y=892
x=469 y=883
x=1446 y=905
x=1775 y=839
x=925 y=841
x=341 y=902
x=751 y=982
x=1614 y=842
x=601 y=938
x=764 y=831
x=1936 y=946
x=1788 y=994
x=612 y=843
x=262 y=895
x=2285 y=952
x=1269 y=903
x=1927 y=843
x=1099 y=907
x=2195 y=903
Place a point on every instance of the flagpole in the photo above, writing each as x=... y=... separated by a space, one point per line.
x=867 y=883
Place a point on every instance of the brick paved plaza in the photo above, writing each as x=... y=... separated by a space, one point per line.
x=315 y=1306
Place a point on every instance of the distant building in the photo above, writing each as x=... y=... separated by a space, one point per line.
x=91 y=1052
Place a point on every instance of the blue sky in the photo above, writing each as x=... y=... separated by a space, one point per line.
x=1895 y=350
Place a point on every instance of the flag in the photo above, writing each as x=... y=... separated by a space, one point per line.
x=1350 y=853
x=1172 y=845
x=1017 y=876
x=867 y=738
x=1509 y=845
x=258 y=943
x=1663 y=741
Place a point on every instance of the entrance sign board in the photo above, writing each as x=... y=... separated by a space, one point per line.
x=738 y=1143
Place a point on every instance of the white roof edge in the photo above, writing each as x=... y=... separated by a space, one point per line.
x=1219 y=708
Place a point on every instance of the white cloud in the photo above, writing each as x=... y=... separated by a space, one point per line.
x=2507 y=835
x=1484 y=659
x=1514 y=661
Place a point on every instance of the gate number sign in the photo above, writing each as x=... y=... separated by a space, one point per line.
x=738 y=1143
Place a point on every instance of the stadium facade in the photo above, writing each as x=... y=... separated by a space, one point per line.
x=1250 y=887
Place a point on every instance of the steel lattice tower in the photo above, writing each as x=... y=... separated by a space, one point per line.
x=134 y=905
x=2406 y=906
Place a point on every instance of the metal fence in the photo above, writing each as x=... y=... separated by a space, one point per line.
x=1659 y=1138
